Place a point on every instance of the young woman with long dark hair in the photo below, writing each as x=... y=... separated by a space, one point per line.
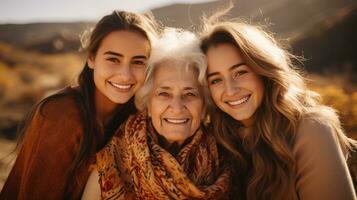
x=65 y=130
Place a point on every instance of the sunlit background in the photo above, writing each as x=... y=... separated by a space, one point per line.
x=39 y=42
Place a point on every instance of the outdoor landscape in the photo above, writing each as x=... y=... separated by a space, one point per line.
x=38 y=59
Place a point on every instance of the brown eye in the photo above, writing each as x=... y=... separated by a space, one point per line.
x=138 y=63
x=190 y=94
x=215 y=81
x=239 y=73
x=163 y=94
x=113 y=60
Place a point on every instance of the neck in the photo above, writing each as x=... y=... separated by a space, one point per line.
x=173 y=147
x=105 y=108
x=247 y=123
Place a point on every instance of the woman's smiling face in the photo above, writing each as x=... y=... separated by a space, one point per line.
x=235 y=88
x=119 y=65
x=176 y=104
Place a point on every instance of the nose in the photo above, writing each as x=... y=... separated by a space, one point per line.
x=230 y=87
x=177 y=105
x=124 y=72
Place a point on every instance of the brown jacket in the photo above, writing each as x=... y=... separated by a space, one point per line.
x=51 y=142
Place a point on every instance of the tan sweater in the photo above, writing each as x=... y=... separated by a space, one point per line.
x=321 y=171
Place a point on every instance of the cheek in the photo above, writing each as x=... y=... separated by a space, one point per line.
x=215 y=93
x=156 y=121
x=101 y=70
x=259 y=90
x=197 y=111
x=156 y=109
x=98 y=76
x=139 y=74
x=260 y=95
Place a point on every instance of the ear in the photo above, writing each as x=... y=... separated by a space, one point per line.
x=90 y=62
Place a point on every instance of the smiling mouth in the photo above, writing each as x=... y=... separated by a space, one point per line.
x=239 y=101
x=176 y=121
x=121 y=86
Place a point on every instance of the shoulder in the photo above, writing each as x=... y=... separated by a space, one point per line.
x=314 y=128
x=319 y=123
x=59 y=105
x=55 y=127
x=57 y=115
x=316 y=136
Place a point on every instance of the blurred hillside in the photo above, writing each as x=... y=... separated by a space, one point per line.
x=26 y=77
x=321 y=31
x=38 y=59
x=330 y=46
x=288 y=18
x=44 y=37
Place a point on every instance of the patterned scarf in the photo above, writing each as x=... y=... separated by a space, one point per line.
x=134 y=166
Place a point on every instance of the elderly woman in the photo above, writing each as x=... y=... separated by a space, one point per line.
x=163 y=152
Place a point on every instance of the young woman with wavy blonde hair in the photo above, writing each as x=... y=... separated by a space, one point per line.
x=286 y=143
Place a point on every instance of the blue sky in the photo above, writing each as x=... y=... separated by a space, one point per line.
x=27 y=11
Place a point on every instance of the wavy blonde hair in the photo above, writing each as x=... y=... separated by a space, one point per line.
x=265 y=153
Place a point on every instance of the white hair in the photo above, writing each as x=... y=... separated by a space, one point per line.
x=180 y=46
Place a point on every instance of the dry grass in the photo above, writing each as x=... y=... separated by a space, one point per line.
x=337 y=92
x=26 y=77
x=6 y=159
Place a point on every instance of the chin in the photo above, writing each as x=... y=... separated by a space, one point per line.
x=120 y=100
x=175 y=139
x=241 y=117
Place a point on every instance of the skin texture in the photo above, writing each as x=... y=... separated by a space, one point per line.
x=176 y=104
x=119 y=68
x=235 y=88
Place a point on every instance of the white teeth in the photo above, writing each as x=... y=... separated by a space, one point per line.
x=121 y=86
x=238 y=102
x=176 y=121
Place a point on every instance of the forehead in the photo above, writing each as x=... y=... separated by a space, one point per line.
x=223 y=56
x=175 y=74
x=125 y=42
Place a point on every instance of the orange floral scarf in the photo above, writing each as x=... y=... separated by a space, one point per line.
x=134 y=166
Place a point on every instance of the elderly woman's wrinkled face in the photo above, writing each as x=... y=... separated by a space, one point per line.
x=176 y=103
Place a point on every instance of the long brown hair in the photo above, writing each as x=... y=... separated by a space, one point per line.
x=264 y=153
x=84 y=93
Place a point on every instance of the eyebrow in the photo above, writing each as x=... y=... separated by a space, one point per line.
x=190 y=88
x=230 y=69
x=121 y=55
x=113 y=53
x=185 y=88
x=164 y=88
